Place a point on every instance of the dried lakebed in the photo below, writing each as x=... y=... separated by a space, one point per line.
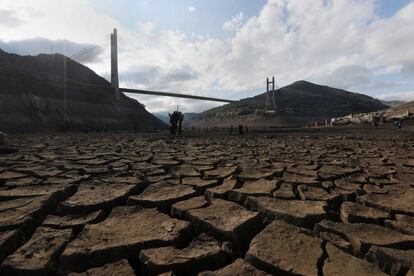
x=123 y=204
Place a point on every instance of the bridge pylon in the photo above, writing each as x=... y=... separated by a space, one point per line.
x=270 y=95
x=114 y=65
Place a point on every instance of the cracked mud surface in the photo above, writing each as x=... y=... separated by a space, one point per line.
x=264 y=204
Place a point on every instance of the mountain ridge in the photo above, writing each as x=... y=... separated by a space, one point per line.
x=299 y=103
x=32 y=98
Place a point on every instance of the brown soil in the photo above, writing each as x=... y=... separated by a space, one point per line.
x=298 y=201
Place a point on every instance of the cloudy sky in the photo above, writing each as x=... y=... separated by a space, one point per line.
x=226 y=48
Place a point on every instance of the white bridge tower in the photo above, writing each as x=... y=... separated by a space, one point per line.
x=270 y=96
x=114 y=65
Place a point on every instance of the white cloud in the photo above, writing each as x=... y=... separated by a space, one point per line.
x=146 y=27
x=334 y=42
x=191 y=8
x=234 y=23
x=9 y=18
x=74 y=20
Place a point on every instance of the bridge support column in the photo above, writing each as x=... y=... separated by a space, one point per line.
x=267 y=93
x=273 y=94
x=114 y=65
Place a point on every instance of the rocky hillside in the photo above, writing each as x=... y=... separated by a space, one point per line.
x=300 y=103
x=400 y=110
x=403 y=111
x=32 y=98
x=392 y=103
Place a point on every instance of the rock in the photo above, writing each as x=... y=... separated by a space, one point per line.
x=9 y=241
x=97 y=170
x=392 y=261
x=200 y=184
x=238 y=268
x=8 y=175
x=162 y=195
x=333 y=172
x=126 y=231
x=283 y=249
x=156 y=179
x=220 y=173
x=24 y=212
x=341 y=263
x=166 y=163
x=25 y=181
x=43 y=172
x=95 y=195
x=343 y=195
x=202 y=168
x=61 y=180
x=253 y=174
x=226 y=220
x=399 y=203
x=348 y=185
x=353 y=213
x=316 y=193
x=222 y=190
x=328 y=185
x=393 y=180
x=302 y=171
x=121 y=267
x=380 y=171
x=362 y=235
x=180 y=208
x=39 y=256
x=201 y=254
x=337 y=241
x=409 y=163
x=131 y=180
x=260 y=187
x=72 y=221
x=375 y=189
x=154 y=172
x=403 y=224
x=144 y=166
x=285 y=191
x=204 y=162
x=298 y=212
x=54 y=191
x=173 y=181
x=296 y=179
x=184 y=171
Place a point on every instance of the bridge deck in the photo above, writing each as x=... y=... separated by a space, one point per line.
x=167 y=94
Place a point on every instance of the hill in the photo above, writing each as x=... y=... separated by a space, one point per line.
x=402 y=111
x=399 y=110
x=299 y=103
x=163 y=116
x=392 y=103
x=32 y=98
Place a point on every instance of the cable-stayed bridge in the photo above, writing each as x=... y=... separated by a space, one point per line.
x=91 y=51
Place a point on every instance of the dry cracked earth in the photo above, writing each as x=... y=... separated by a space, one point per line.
x=121 y=204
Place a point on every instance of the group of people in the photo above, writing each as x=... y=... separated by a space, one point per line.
x=398 y=123
x=242 y=129
x=176 y=121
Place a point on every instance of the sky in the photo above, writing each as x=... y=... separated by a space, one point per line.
x=226 y=48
